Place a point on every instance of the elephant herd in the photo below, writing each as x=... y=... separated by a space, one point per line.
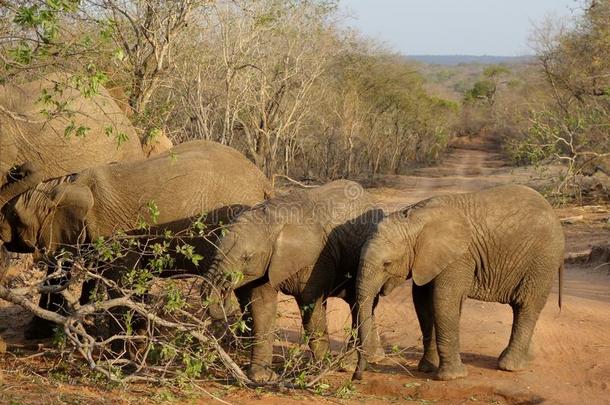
x=59 y=190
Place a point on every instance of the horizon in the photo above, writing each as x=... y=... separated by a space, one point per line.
x=471 y=54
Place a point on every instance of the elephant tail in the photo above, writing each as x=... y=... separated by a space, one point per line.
x=560 y=285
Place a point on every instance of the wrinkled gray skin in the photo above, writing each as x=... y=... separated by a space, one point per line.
x=503 y=244
x=28 y=137
x=189 y=180
x=305 y=245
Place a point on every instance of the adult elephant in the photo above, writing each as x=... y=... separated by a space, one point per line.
x=305 y=245
x=503 y=244
x=50 y=124
x=168 y=191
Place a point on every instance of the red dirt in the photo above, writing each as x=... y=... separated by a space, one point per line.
x=572 y=347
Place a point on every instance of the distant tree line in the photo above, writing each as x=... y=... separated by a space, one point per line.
x=279 y=80
x=558 y=107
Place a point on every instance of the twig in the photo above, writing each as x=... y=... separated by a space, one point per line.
x=212 y=395
x=292 y=181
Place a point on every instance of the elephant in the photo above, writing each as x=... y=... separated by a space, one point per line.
x=192 y=179
x=54 y=142
x=502 y=244
x=93 y=130
x=304 y=244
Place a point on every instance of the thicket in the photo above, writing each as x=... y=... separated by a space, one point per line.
x=280 y=80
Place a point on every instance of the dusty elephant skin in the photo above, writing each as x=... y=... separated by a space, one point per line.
x=305 y=245
x=192 y=179
x=53 y=144
x=503 y=244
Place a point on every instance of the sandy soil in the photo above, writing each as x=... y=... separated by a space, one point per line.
x=572 y=364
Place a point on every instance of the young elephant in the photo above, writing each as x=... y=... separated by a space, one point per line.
x=503 y=244
x=168 y=191
x=306 y=245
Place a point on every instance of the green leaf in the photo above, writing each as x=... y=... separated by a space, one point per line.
x=153 y=210
x=120 y=137
x=21 y=54
x=70 y=128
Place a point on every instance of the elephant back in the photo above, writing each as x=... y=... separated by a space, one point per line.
x=192 y=179
x=340 y=201
x=231 y=168
x=91 y=130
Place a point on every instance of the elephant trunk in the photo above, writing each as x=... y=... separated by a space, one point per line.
x=368 y=285
x=217 y=286
x=19 y=180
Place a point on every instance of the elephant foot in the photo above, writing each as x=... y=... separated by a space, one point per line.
x=348 y=364
x=446 y=373
x=511 y=361
x=260 y=374
x=427 y=365
x=39 y=328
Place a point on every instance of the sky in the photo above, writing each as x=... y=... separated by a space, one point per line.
x=467 y=27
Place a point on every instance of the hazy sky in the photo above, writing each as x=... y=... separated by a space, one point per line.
x=475 y=27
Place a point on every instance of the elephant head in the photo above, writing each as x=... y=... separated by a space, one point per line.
x=273 y=240
x=419 y=242
x=17 y=180
x=46 y=216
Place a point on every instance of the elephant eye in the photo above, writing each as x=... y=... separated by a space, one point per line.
x=247 y=256
x=387 y=263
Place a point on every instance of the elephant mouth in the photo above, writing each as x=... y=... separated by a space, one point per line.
x=218 y=291
x=216 y=312
x=221 y=310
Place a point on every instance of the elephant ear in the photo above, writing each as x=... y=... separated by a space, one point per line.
x=297 y=246
x=66 y=221
x=443 y=239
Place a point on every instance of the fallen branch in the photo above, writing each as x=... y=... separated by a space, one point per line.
x=292 y=181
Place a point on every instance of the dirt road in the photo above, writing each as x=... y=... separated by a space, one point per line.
x=572 y=347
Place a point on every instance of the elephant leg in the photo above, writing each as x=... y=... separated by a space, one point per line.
x=114 y=322
x=447 y=304
x=422 y=300
x=517 y=355
x=40 y=328
x=313 y=315
x=89 y=287
x=244 y=299
x=263 y=308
